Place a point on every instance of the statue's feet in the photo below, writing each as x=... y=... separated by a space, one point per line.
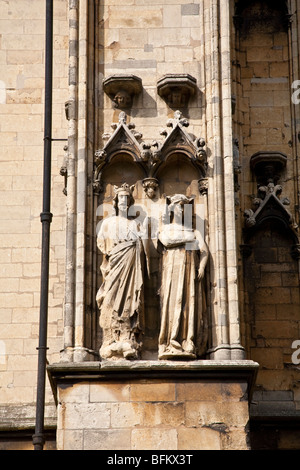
x=119 y=350
x=189 y=347
x=129 y=352
x=175 y=351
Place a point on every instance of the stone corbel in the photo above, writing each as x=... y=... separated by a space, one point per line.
x=151 y=157
x=268 y=166
x=150 y=186
x=203 y=186
x=122 y=89
x=177 y=89
x=70 y=110
x=201 y=154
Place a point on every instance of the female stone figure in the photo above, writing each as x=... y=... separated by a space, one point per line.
x=120 y=297
x=181 y=293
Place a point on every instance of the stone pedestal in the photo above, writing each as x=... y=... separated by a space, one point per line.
x=153 y=405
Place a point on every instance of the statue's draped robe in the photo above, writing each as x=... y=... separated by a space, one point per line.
x=120 y=297
x=181 y=295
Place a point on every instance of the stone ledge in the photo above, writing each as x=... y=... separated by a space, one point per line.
x=16 y=417
x=244 y=370
x=97 y=367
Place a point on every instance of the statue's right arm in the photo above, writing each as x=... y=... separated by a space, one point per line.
x=101 y=243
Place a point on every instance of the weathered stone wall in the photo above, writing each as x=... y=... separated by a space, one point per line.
x=271 y=280
x=264 y=108
x=149 y=39
x=22 y=57
x=153 y=414
x=264 y=70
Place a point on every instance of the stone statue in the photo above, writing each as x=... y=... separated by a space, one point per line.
x=182 y=297
x=120 y=297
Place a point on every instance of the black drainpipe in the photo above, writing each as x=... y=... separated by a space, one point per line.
x=46 y=219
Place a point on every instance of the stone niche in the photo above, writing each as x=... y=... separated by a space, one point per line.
x=164 y=244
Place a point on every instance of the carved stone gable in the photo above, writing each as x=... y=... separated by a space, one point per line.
x=178 y=139
x=123 y=137
x=268 y=168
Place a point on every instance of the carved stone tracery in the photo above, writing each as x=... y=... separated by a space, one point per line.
x=150 y=156
x=125 y=139
x=268 y=204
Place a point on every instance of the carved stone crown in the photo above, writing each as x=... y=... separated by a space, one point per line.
x=124 y=188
